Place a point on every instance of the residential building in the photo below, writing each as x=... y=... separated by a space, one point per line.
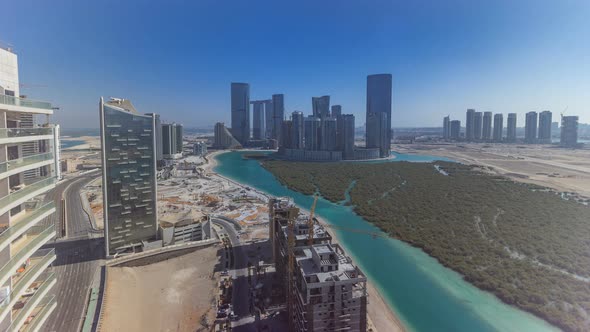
x=498 y=127
x=478 y=126
x=312 y=133
x=470 y=125
x=258 y=123
x=336 y=110
x=128 y=175
x=240 y=112
x=223 y=139
x=268 y=118
x=328 y=140
x=26 y=280
x=530 y=127
x=544 y=127
x=446 y=127
x=298 y=130
x=278 y=115
x=159 y=140
x=200 y=149
x=486 y=131
x=455 y=129
x=511 y=128
x=378 y=113
x=285 y=141
x=569 y=131
x=346 y=134
x=171 y=140
x=321 y=106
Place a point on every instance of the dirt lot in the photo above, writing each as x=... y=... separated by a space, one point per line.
x=173 y=295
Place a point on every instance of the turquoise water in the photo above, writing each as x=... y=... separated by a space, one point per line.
x=69 y=144
x=425 y=295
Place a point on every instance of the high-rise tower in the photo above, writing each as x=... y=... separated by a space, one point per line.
x=378 y=116
x=530 y=127
x=545 y=127
x=240 y=112
x=511 y=128
x=498 y=127
x=470 y=125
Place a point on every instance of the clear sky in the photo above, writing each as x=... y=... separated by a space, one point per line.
x=179 y=59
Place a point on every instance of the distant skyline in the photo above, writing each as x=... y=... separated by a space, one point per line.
x=178 y=60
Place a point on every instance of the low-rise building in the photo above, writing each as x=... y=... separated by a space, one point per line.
x=184 y=225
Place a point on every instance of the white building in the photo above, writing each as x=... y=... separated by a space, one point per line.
x=28 y=169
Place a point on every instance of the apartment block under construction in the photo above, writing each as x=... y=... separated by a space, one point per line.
x=325 y=290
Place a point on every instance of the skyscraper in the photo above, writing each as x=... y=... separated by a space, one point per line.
x=159 y=140
x=544 y=127
x=328 y=134
x=486 y=131
x=286 y=140
x=446 y=127
x=278 y=114
x=530 y=127
x=223 y=138
x=268 y=118
x=26 y=285
x=240 y=112
x=171 y=140
x=336 y=110
x=569 y=131
x=378 y=116
x=258 y=124
x=128 y=175
x=347 y=136
x=297 y=130
x=321 y=106
x=455 y=129
x=498 y=127
x=477 y=126
x=312 y=133
x=511 y=128
x=469 y=125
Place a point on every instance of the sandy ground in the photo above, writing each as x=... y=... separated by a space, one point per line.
x=544 y=165
x=173 y=295
x=91 y=142
x=381 y=317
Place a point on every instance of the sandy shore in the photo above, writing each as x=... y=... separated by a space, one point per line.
x=380 y=314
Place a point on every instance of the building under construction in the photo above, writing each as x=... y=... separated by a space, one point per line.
x=325 y=290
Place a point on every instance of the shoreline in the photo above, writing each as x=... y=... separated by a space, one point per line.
x=380 y=313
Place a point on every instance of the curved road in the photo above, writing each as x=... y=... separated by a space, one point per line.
x=77 y=253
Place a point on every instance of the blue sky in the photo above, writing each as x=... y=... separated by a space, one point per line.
x=178 y=59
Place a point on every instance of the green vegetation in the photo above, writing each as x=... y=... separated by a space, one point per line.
x=521 y=242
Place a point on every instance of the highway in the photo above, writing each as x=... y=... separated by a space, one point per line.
x=78 y=255
x=241 y=300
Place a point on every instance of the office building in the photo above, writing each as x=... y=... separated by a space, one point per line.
x=278 y=115
x=240 y=112
x=378 y=115
x=268 y=118
x=478 y=126
x=446 y=127
x=321 y=106
x=455 y=129
x=530 y=127
x=159 y=140
x=346 y=134
x=172 y=134
x=544 y=127
x=511 y=128
x=328 y=140
x=498 y=127
x=26 y=291
x=298 y=130
x=470 y=125
x=336 y=110
x=486 y=131
x=258 y=123
x=324 y=290
x=312 y=133
x=128 y=175
x=569 y=131
x=223 y=139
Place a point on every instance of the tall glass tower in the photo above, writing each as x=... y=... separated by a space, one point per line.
x=128 y=175
x=240 y=112
x=378 y=135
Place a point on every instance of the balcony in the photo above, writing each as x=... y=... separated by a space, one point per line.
x=22 y=195
x=33 y=306
x=20 y=165
x=26 y=282
x=24 y=222
x=40 y=315
x=38 y=236
x=16 y=104
x=20 y=135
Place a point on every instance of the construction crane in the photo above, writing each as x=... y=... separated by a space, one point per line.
x=310 y=221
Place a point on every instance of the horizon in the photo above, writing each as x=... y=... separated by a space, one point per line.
x=444 y=58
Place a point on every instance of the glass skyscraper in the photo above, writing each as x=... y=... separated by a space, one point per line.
x=128 y=174
x=240 y=112
x=378 y=131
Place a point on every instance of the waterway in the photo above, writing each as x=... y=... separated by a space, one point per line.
x=425 y=295
x=69 y=143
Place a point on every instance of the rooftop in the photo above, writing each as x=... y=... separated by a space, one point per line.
x=345 y=270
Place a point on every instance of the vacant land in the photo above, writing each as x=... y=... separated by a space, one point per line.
x=173 y=295
x=522 y=242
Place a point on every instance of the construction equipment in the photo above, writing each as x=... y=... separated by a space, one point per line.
x=310 y=221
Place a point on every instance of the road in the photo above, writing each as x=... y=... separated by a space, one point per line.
x=241 y=300
x=78 y=255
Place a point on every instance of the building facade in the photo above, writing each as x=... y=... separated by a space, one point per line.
x=455 y=129
x=346 y=134
x=478 y=126
x=470 y=124
x=129 y=176
x=544 y=127
x=240 y=112
x=446 y=127
x=223 y=139
x=26 y=278
x=486 y=130
x=298 y=129
x=312 y=133
x=278 y=114
x=258 y=124
x=511 y=128
x=569 y=131
x=530 y=127
x=172 y=134
x=268 y=118
x=498 y=127
x=321 y=106
x=378 y=113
